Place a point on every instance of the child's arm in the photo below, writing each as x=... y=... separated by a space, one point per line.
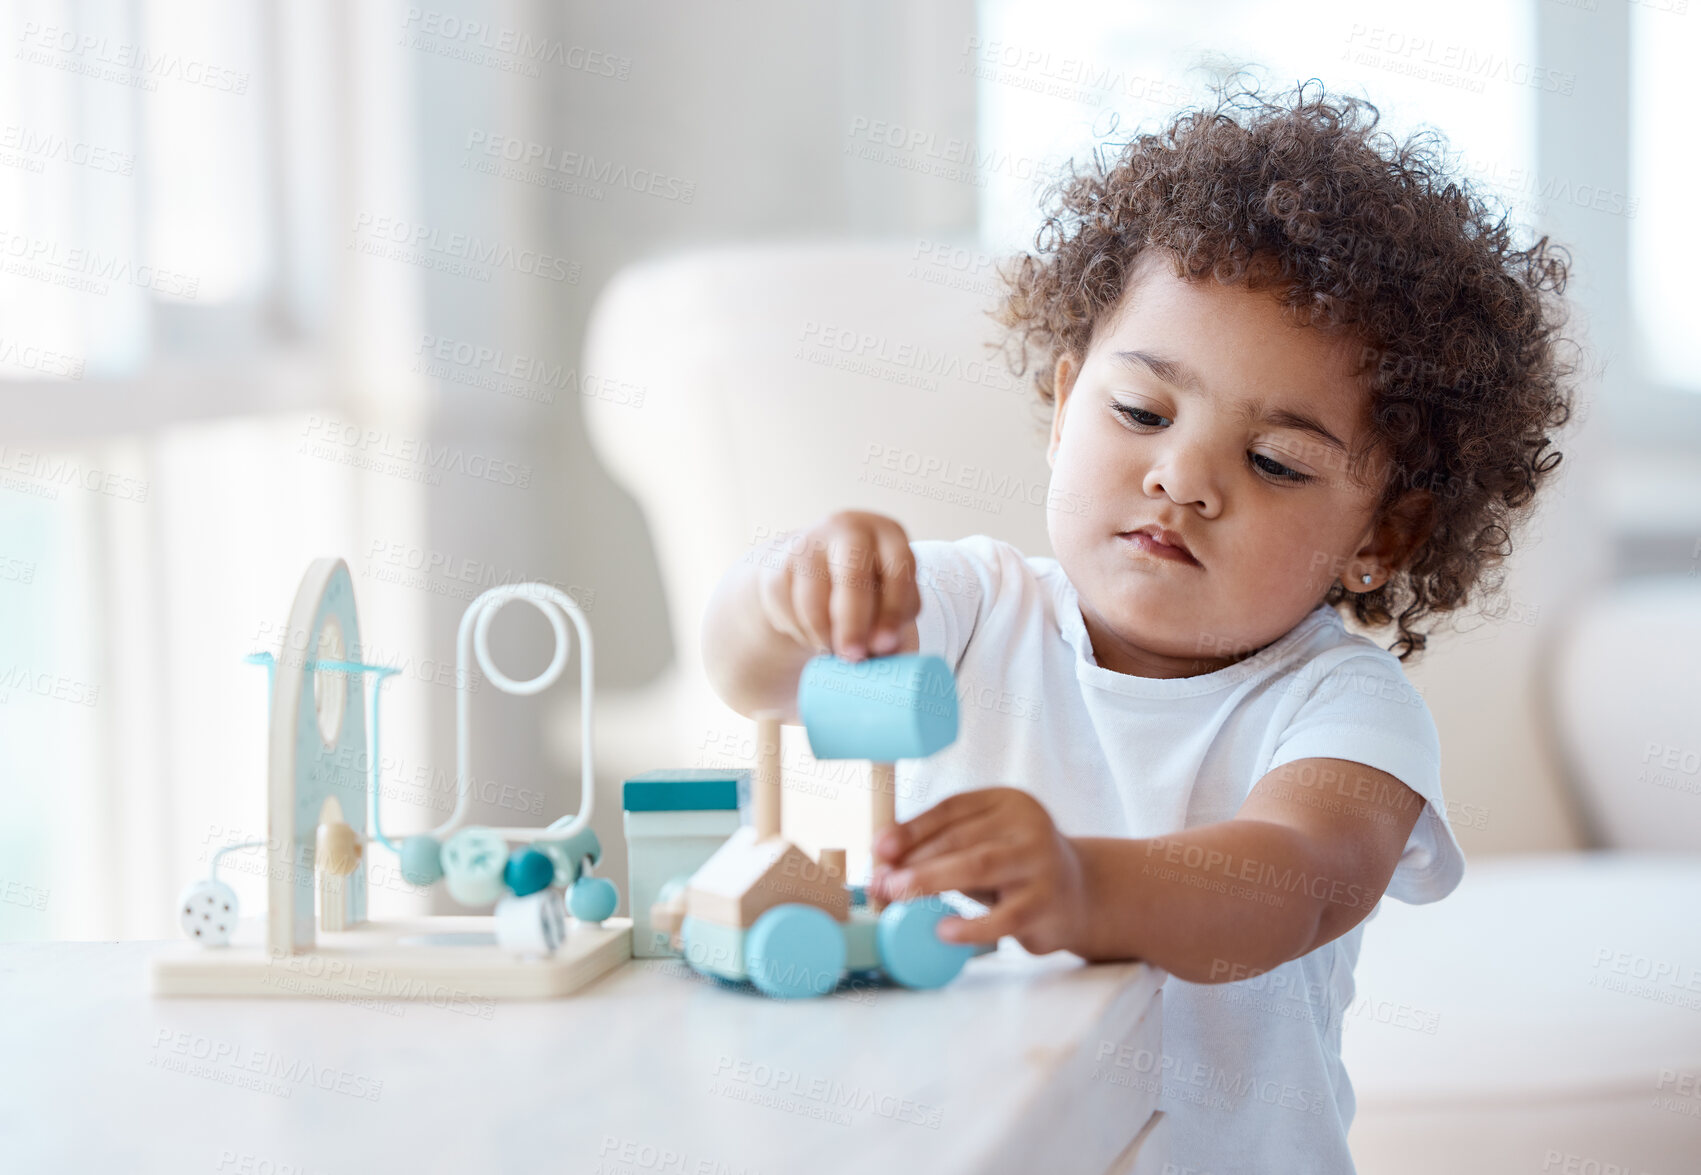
x=1303 y=862
x=845 y=585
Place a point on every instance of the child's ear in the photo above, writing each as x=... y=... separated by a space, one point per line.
x=1062 y=383
x=1397 y=535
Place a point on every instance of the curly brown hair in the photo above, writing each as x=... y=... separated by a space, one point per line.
x=1351 y=230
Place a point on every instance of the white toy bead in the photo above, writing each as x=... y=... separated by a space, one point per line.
x=207 y=911
x=533 y=925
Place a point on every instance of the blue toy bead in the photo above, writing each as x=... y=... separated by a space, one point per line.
x=422 y=860
x=911 y=950
x=527 y=872
x=592 y=899
x=570 y=855
x=795 y=951
x=473 y=862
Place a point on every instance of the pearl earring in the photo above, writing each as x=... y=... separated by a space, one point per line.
x=1365 y=579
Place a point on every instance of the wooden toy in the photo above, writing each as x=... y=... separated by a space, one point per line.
x=674 y=821
x=761 y=910
x=318 y=846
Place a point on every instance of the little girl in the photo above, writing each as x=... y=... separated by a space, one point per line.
x=1295 y=374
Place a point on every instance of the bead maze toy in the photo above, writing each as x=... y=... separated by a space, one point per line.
x=758 y=909
x=317 y=845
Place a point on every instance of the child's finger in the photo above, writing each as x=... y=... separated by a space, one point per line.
x=981 y=867
x=896 y=841
x=774 y=593
x=1007 y=917
x=809 y=591
x=982 y=829
x=855 y=597
x=900 y=600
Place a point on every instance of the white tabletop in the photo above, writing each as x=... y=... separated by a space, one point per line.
x=652 y=1070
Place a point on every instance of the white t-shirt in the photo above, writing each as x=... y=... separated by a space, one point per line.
x=1251 y=1074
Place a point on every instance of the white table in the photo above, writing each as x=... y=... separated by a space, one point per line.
x=652 y=1070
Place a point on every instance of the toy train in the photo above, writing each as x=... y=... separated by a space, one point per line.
x=756 y=908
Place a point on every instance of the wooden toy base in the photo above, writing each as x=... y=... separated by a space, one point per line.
x=444 y=958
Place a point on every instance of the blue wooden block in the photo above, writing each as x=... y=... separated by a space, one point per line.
x=685 y=789
x=882 y=709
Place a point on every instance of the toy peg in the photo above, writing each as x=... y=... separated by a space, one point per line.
x=832 y=862
x=337 y=856
x=767 y=780
x=883 y=810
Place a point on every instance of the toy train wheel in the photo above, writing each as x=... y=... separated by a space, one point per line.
x=911 y=951
x=795 y=951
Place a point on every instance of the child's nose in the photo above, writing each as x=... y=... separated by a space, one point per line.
x=1185 y=476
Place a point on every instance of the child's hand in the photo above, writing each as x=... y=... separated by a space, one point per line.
x=846 y=585
x=999 y=846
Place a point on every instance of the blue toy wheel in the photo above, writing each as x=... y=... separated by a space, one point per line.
x=911 y=950
x=795 y=951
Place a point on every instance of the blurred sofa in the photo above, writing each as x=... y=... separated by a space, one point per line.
x=1544 y=1017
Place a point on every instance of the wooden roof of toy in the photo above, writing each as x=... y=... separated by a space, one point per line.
x=747 y=876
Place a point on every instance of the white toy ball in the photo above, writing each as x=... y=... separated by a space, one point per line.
x=207 y=911
x=533 y=925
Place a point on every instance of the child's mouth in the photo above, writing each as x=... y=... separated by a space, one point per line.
x=1148 y=545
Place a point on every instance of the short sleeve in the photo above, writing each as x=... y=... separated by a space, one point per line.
x=1364 y=710
x=956 y=581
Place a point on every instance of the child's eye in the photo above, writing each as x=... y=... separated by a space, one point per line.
x=1277 y=470
x=1139 y=415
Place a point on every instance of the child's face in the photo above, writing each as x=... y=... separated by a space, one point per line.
x=1130 y=448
